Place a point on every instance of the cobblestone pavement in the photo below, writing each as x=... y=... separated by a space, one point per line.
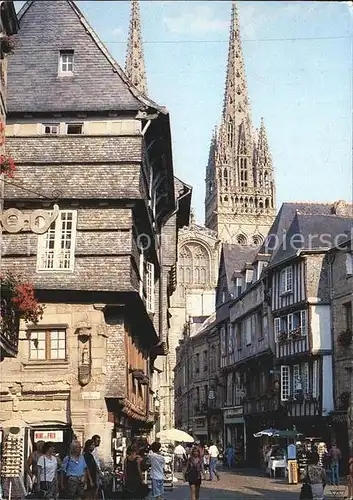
x=243 y=485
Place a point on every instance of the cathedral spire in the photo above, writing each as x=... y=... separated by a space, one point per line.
x=135 y=61
x=236 y=102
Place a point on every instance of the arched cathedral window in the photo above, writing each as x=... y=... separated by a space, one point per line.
x=194 y=265
x=266 y=178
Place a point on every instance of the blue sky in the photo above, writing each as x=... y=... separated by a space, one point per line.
x=298 y=58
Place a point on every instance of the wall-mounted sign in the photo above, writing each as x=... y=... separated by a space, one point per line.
x=233 y=413
x=54 y=436
x=91 y=395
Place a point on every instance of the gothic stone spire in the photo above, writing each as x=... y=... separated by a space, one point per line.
x=236 y=108
x=135 y=62
x=240 y=199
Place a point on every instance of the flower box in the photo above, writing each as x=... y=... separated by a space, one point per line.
x=282 y=337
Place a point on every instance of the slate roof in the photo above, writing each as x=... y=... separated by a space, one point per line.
x=97 y=84
x=235 y=257
x=285 y=217
x=311 y=232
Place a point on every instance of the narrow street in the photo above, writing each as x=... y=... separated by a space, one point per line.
x=244 y=484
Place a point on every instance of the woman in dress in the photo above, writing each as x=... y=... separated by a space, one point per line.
x=317 y=477
x=133 y=480
x=47 y=471
x=194 y=473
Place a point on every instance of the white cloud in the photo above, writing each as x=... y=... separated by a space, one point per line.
x=198 y=19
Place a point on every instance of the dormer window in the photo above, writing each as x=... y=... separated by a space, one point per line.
x=74 y=128
x=66 y=62
x=51 y=128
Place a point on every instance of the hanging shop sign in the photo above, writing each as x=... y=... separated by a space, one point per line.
x=38 y=221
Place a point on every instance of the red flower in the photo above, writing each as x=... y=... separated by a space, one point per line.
x=25 y=301
x=7 y=165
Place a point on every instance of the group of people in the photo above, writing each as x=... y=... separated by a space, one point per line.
x=78 y=476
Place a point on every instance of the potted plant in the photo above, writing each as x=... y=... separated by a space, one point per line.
x=8 y=44
x=345 y=337
x=295 y=334
x=7 y=166
x=20 y=297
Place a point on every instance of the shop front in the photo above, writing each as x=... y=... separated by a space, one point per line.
x=234 y=431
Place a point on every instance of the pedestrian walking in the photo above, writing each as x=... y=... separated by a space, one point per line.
x=93 y=486
x=180 y=457
x=134 y=487
x=76 y=475
x=335 y=456
x=350 y=479
x=157 y=462
x=213 y=452
x=47 y=473
x=230 y=455
x=194 y=473
x=317 y=477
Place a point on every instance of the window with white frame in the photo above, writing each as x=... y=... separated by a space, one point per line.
x=286 y=279
x=51 y=128
x=223 y=342
x=46 y=345
x=315 y=384
x=297 y=381
x=56 y=247
x=150 y=287
x=285 y=382
x=303 y=322
x=291 y=323
x=277 y=328
x=66 y=62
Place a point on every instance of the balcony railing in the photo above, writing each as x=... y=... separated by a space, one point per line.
x=290 y=346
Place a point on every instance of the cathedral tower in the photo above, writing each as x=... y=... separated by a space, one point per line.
x=135 y=61
x=240 y=191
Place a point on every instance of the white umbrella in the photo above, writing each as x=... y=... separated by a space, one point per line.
x=266 y=432
x=175 y=435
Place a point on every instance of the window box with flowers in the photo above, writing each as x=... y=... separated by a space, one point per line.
x=8 y=44
x=296 y=334
x=7 y=166
x=17 y=302
x=345 y=337
x=282 y=337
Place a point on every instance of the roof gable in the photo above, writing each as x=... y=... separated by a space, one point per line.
x=97 y=84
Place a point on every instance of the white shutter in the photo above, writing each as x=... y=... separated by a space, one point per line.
x=315 y=383
x=150 y=287
x=290 y=324
x=277 y=328
x=289 y=279
x=303 y=322
x=141 y=270
x=285 y=382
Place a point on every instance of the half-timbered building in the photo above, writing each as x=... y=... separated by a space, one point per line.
x=298 y=283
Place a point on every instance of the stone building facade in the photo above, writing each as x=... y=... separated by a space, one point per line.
x=104 y=269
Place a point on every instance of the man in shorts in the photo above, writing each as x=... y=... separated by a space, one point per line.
x=157 y=471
